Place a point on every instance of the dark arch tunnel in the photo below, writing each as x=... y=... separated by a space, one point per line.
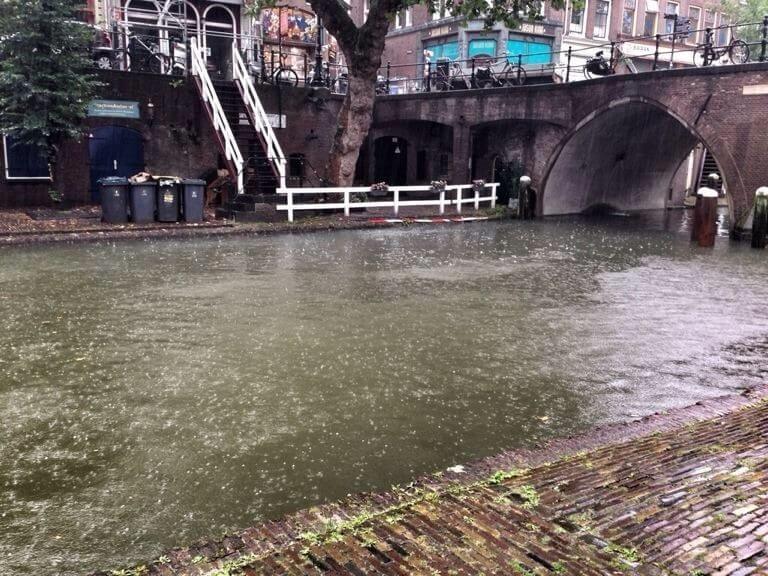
x=624 y=157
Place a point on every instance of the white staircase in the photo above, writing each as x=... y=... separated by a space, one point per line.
x=258 y=116
x=220 y=123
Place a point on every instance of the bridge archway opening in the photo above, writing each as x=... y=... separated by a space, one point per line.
x=630 y=156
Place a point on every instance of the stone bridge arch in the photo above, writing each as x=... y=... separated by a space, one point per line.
x=625 y=154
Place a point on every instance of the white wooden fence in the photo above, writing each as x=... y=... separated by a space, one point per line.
x=396 y=203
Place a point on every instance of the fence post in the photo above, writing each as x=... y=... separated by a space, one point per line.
x=389 y=66
x=568 y=69
x=472 y=77
x=656 y=53
x=763 y=42
x=290 y=205
x=613 y=50
x=306 y=71
x=346 y=202
x=442 y=201
x=458 y=199
x=493 y=195
x=709 y=57
x=429 y=80
x=396 y=201
x=519 y=67
x=477 y=199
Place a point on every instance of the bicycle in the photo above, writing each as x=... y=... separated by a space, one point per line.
x=282 y=75
x=146 y=55
x=598 y=66
x=449 y=75
x=707 y=53
x=496 y=74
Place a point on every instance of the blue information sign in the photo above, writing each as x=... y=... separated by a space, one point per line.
x=113 y=109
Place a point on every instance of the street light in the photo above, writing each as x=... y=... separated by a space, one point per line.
x=317 y=76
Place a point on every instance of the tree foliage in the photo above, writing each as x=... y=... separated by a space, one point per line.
x=751 y=13
x=46 y=75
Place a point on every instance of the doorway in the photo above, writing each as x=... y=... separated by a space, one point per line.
x=114 y=151
x=390 y=160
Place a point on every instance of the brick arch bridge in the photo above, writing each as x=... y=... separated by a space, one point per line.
x=617 y=140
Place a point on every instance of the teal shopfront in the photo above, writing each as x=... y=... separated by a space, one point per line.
x=533 y=50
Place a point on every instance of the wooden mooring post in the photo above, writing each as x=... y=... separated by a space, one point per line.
x=705 y=217
x=526 y=199
x=760 y=218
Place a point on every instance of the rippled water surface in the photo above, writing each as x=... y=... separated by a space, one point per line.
x=153 y=393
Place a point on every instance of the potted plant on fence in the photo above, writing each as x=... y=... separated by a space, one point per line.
x=438 y=185
x=379 y=189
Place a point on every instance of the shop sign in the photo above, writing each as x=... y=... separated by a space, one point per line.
x=113 y=109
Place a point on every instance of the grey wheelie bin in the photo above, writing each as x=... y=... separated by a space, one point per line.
x=114 y=199
x=192 y=200
x=143 y=201
x=168 y=200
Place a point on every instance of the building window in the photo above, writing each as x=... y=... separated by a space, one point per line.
x=709 y=19
x=404 y=18
x=723 y=33
x=24 y=161
x=601 y=18
x=444 y=50
x=669 y=23
x=628 y=17
x=577 y=21
x=651 y=14
x=532 y=51
x=441 y=11
x=694 y=14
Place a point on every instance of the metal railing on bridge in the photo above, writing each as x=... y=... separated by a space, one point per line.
x=165 y=50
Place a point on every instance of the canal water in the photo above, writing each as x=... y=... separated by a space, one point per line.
x=152 y=393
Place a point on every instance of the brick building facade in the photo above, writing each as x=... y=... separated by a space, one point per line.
x=633 y=25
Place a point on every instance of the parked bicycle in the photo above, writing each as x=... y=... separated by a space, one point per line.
x=707 y=53
x=598 y=66
x=144 y=54
x=499 y=71
x=283 y=74
x=449 y=75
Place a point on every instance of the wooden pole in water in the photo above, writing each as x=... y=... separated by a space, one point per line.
x=704 y=227
x=760 y=218
x=706 y=215
x=524 y=209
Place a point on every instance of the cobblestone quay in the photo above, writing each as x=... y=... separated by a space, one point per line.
x=681 y=493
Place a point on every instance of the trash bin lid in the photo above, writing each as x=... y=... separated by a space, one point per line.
x=167 y=182
x=149 y=184
x=113 y=181
x=193 y=182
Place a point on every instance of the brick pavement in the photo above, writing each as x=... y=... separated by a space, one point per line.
x=682 y=493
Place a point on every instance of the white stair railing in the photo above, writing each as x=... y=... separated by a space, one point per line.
x=220 y=122
x=257 y=115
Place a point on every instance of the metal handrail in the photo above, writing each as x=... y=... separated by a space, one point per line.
x=257 y=114
x=220 y=122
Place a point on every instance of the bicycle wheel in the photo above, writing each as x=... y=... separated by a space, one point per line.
x=738 y=52
x=287 y=77
x=701 y=56
x=587 y=73
x=103 y=62
x=513 y=76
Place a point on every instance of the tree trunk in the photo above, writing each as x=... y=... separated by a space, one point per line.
x=354 y=122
